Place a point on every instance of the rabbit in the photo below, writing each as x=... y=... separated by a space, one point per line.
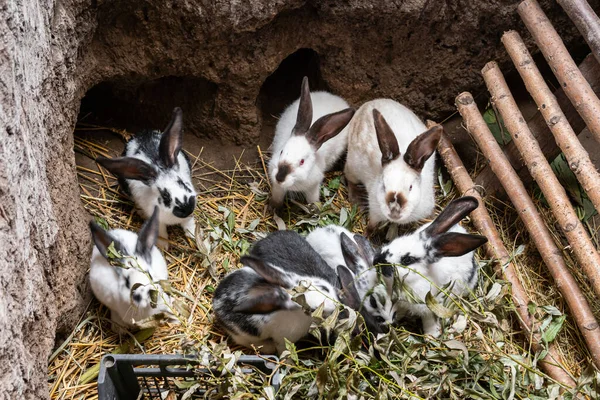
x=310 y=137
x=340 y=247
x=443 y=253
x=127 y=290
x=253 y=303
x=155 y=172
x=399 y=189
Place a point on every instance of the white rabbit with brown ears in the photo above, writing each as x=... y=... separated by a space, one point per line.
x=390 y=152
x=310 y=137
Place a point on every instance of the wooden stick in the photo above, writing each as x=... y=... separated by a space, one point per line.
x=590 y=69
x=540 y=170
x=495 y=249
x=586 y=21
x=552 y=256
x=574 y=84
x=577 y=156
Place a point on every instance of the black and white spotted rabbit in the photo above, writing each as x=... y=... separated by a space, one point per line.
x=155 y=172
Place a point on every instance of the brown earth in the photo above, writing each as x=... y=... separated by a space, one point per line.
x=138 y=59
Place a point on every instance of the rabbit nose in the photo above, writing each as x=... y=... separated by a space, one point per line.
x=185 y=209
x=282 y=172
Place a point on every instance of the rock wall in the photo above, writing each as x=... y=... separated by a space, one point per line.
x=212 y=58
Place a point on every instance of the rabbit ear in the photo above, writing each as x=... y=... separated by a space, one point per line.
x=305 y=112
x=451 y=215
x=263 y=298
x=365 y=247
x=328 y=127
x=350 y=294
x=147 y=236
x=351 y=253
x=388 y=144
x=267 y=272
x=103 y=239
x=128 y=168
x=454 y=244
x=171 y=140
x=422 y=147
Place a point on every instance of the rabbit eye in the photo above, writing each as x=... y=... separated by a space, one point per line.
x=379 y=320
x=408 y=260
x=410 y=188
x=302 y=162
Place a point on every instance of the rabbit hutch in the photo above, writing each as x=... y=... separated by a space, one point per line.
x=513 y=84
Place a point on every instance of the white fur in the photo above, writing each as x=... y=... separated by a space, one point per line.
x=435 y=275
x=146 y=197
x=314 y=295
x=326 y=241
x=363 y=164
x=108 y=283
x=291 y=323
x=291 y=149
x=277 y=326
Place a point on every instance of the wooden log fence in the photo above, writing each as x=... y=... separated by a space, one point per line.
x=581 y=244
x=574 y=84
x=552 y=256
x=576 y=155
x=590 y=69
x=551 y=364
x=586 y=21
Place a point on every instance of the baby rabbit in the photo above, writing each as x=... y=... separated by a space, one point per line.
x=435 y=255
x=365 y=291
x=253 y=303
x=309 y=138
x=155 y=172
x=399 y=189
x=131 y=290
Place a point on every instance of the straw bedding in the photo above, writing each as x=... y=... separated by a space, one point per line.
x=481 y=355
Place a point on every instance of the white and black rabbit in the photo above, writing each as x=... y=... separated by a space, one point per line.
x=253 y=303
x=435 y=255
x=340 y=247
x=155 y=172
x=390 y=152
x=310 y=137
x=131 y=290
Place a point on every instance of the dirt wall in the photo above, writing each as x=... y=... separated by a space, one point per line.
x=211 y=58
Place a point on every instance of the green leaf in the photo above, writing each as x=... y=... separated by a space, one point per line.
x=102 y=222
x=343 y=216
x=555 y=326
x=437 y=308
x=153 y=293
x=551 y=310
x=231 y=221
x=113 y=254
x=496 y=126
x=531 y=307
x=253 y=224
x=334 y=183
x=458 y=345
x=322 y=378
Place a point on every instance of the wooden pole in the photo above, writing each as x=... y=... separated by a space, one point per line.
x=552 y=256
x=586 y=21
x=574 y=84
x=590 y=69
x=540 y=170
x=495 y=249
x=577 y=156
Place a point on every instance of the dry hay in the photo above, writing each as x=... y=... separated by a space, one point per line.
x=481 y=356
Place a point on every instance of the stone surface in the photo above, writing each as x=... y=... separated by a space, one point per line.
x=211 y=58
